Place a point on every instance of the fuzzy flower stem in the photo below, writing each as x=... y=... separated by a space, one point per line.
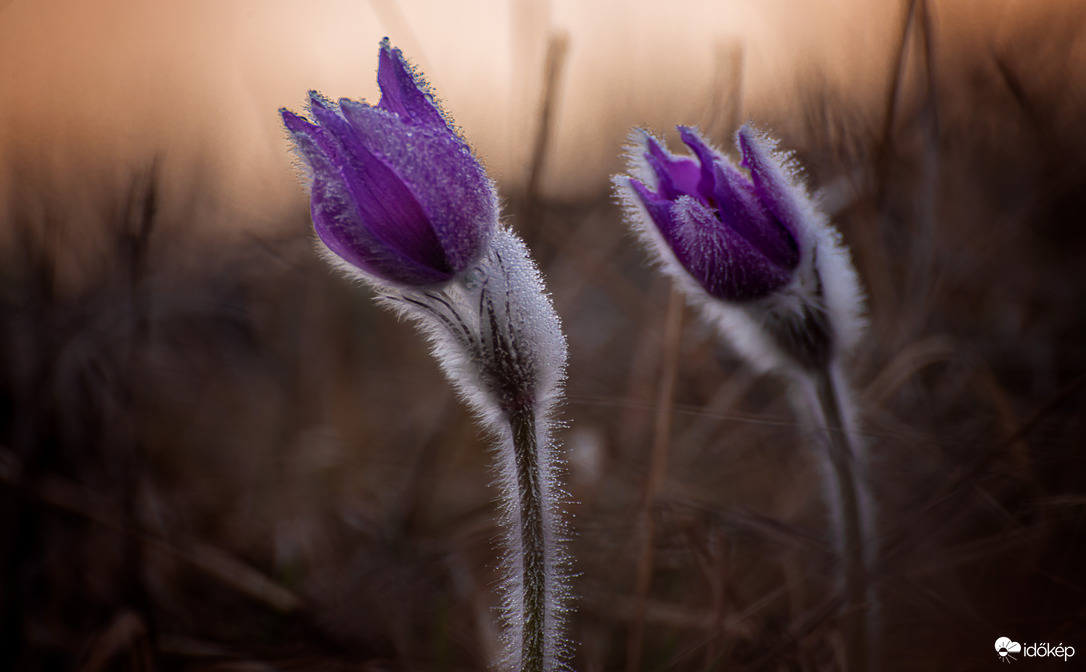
x=843 y=459
x=399 y=201
x=497 y=337
x=753 y=250
x=532 y=539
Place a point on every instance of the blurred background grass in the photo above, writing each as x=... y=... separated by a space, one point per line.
x=216 y=455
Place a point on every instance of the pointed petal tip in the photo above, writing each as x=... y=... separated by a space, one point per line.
x=354 y=105
x=644 y=193
x=295 y=123
x=388 y=56
x=405 y=91
x=690 y=135
x=324 y=112
x=744 y=138
x=693 y=139
x=754 y=146
x=652 y=145
x=640 y=143
x=317 y=101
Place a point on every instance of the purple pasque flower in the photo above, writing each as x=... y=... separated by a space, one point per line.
x=752 y=248
x=395 y=191
x=737 y=236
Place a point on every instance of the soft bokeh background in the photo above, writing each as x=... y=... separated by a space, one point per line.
x=217 y=455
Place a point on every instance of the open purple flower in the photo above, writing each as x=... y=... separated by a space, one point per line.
x=736 y=236
x=396 y=192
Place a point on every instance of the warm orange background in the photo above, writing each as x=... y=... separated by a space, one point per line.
x=111 y=83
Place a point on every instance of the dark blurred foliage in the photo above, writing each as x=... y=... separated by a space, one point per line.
x=226 y=457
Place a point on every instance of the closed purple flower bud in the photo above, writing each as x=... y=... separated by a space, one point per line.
x=395 y=191
x=736 y=236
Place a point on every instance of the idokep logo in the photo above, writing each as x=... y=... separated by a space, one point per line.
x=1005 y=647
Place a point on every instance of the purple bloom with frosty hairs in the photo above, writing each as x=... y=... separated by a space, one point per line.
x=751 y=248
x=396 y=192
x=399 y=200
x=770 y=272
x=735 y=235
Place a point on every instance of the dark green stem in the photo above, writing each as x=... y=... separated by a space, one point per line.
x=532 y=541
x=844 y=457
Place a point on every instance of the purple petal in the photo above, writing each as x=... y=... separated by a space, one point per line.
x=675 y=175
x=294 y=123
x=720 y=259
x=385 y=205
x=316 y=146
x=724 y=262
x=340 y=229
x=742 y=211
x=706 y=157
x=336 y=216
x=770 y=184
x=658 y=207
x=439 y=170
x=402 y=92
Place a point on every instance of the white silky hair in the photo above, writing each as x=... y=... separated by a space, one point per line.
x=497 y=311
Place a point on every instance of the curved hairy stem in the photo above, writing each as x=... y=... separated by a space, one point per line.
x=532 y=537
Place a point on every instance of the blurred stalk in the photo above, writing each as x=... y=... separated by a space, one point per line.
x=557 y=48
x=134 y=246
x=32 y=413
x=836 y=426
x=657 y=468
